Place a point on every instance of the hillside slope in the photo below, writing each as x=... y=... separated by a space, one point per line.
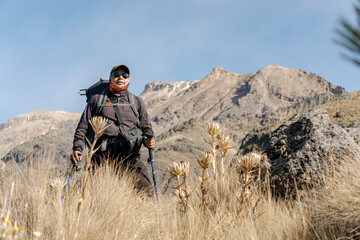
x=31 y=126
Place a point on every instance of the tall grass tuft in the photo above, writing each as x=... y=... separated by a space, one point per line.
x=334 y=209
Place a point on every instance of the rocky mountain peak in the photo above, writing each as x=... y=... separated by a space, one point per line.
x=155 y=91
x=217 y=70
x=223 y=94
x=287 y=77
x=219 y=77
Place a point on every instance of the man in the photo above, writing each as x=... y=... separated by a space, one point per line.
x=122 y=120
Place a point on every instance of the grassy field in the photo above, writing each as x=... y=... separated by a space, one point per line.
x=228 y=201
x=113 y=210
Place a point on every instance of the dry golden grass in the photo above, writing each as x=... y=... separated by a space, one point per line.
x=113 y=210
x=237 y=205
x=334 y=210
x=346 y=111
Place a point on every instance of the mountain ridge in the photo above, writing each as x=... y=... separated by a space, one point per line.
x=241 y=102
x=29 y=126
x=224 y=94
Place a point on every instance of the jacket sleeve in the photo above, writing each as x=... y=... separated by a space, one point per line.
x=83 y=126
x=145 y=122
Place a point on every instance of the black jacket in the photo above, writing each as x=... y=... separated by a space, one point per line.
x=127 y=114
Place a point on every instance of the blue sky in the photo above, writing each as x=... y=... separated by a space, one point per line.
x=51 y=49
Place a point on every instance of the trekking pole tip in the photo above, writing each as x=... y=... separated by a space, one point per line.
x=76 y=167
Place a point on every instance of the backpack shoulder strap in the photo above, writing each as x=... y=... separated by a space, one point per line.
x=101 y=98
x=134 y=104
x=100 y=101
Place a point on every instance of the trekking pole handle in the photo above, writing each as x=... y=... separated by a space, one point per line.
x=151 y=155
x=151 y=150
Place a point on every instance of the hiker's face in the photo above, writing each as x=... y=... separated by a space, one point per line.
x=118 y=80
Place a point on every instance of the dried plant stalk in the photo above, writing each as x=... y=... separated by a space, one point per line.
x=213 y=129
x=98 y=125
x=178 y=170
x=224 y=146
x=185 y=175
x=207 y=159
x=264 y=172
x=247 y=163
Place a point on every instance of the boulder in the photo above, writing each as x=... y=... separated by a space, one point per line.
x=306 y=148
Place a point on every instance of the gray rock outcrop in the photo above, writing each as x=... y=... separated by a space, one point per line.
x=305 y=148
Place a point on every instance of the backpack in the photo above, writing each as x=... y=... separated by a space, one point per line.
x=101 y=87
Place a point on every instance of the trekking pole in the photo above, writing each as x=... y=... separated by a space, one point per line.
x=150 y=160
x=74 y=167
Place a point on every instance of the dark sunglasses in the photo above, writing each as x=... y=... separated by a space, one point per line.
x=117 y=74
